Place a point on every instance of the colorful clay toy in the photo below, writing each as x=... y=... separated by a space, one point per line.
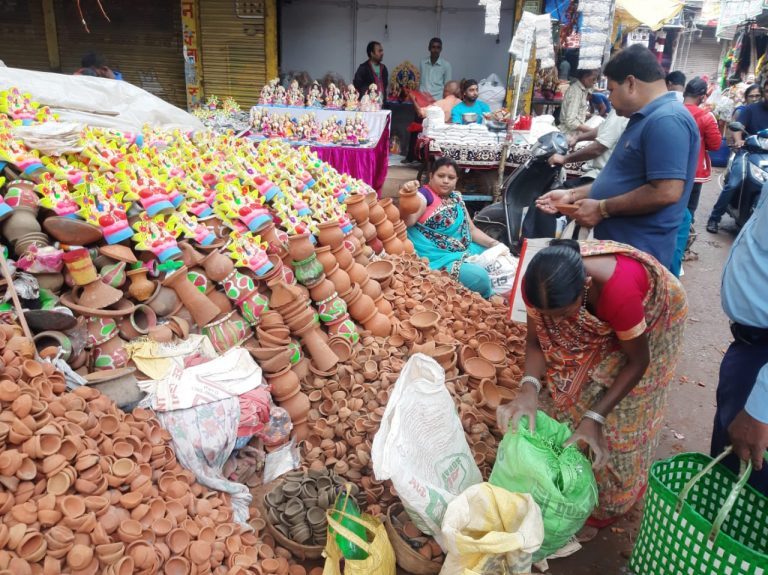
x=158 y=235
x=101 y=203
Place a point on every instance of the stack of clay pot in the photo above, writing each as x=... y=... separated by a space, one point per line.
x=91 y=489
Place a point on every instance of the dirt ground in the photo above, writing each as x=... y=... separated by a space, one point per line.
x=692 y=397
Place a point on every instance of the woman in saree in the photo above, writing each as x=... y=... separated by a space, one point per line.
x=442 y=231
x=605 y=329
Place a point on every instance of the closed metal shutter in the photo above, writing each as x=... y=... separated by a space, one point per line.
x=232 y=36
x=143 y=41
x=703 y=57
x=22 y=35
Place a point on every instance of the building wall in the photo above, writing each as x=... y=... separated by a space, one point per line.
x=321 y=36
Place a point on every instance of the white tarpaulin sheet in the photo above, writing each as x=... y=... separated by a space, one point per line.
x=733 y=13
x=98 y=101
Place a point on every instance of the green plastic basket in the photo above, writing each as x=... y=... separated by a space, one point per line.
x=700 y=519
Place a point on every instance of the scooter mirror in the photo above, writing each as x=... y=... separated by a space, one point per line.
x=736 y=127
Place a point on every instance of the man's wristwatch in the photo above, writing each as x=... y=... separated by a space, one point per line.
x=604 y=209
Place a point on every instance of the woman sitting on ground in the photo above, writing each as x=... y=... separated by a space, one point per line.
x=605 y=330
x=442 y=231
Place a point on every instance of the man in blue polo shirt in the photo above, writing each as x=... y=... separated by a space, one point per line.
x=641 y=194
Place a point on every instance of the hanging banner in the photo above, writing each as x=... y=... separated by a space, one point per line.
x=192 y=64
x=595 y=27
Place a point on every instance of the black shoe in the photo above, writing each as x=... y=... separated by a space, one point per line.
x=713 y=226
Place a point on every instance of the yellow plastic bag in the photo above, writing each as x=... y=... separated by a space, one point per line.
x=381 y=556
x=488 y=530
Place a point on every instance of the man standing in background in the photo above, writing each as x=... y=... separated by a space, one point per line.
x=372 y=71
x=435 y=72
x=676 y=83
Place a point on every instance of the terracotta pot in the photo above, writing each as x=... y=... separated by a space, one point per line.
x=393 y=214
x=220 y=300
x=141 y=289
x=252 y=306
x=368 y=229
x=384 y=228
x=339 y=278
x=203 y=310
x=357 y=273
x=371 y=288
x=227 y=332
x=138 y=322
x=109 y=355
x=490 y=394
x=409 y=202
x=297 y=406
x=322 y=355
x=322 y=290
x=329 y=233
x=376 y=245
x=164 y=301
x=375 y=210
x=273 y=361
x=284 y=383
x=300 y=247
x=80 y=266
x=325 y=257
x=357 y=207
x=381 y=271
x=393 y=245
x=360 y=306
x=493 y=352
x=344 y=327
x=217 y=266
x=96 y=295
x=378 y=324
x=283 y=294
x=21 y=222
x=114 y=274
x=383 y=306
x=189 y=255
x=54 y=339
x=268 y=233
x=331 y=309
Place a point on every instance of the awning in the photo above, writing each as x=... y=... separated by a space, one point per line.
x=651 y=13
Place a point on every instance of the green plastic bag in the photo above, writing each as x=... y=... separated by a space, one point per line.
x=560 y=480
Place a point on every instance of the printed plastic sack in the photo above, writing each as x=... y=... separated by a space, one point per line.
x=560 y=480
x=421 y=445
x=501 y=267
x=488 y=530
x=381 y=556
x=492 y=92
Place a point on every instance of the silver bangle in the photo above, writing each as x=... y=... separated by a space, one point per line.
x=593 y=415
x=533 y=381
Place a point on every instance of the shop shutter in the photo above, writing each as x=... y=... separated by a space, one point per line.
x=703 y=57
x=232 y=36
x=22 y=35
x=143 y=41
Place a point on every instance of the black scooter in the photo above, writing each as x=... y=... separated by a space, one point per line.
x=516 y=215
x=754 y=174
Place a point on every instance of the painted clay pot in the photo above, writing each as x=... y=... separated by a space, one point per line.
x=393 y=214
x=329 y=234
x=22 y=221
x=284 y=384
x=309 y=271
x=109 y=355
x=357 y=207
x=237 y=285
x=54 y=339
x=114 y=274
x=339 y=278
x=252 y=306
x=331 y=309
x=344 y=327
x=141 y=288
x=300 y=247
x=80 y=266
x=409 y=202
x=227 y=332
x=217 y=266
x=21 y=194
x=203 y=310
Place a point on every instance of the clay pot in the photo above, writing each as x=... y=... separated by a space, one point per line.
x=189 y=255
x=227 y=331
x=80 y=267
x=283 y=294
x=268 y=233
x=322 y=290
x=360 y=306
x=220 y=300
x=56 y=339
x=378 y=324
x=297 y=406
x=383 y=306
x=376 y=212
x=325 y=257
x=164 y=301
x=22 y=221
x=203 y=310
x=141 y=288
x=492 y=352
x=490 y=394
x=357 y=207
x=217 y=266
x=300 y=247
x=138 y=322
x=479 y=368
x=409 y=202
x=329 y=234
x=339 y=278
x=425 y=321
x=96 y=295
x=371 y=288
x=109 y=354
x=284 y=384
x=309 y=271
x=317 y=349
x=381 y=271
x=392 y=245
x=393 y=214
x=384 y=227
